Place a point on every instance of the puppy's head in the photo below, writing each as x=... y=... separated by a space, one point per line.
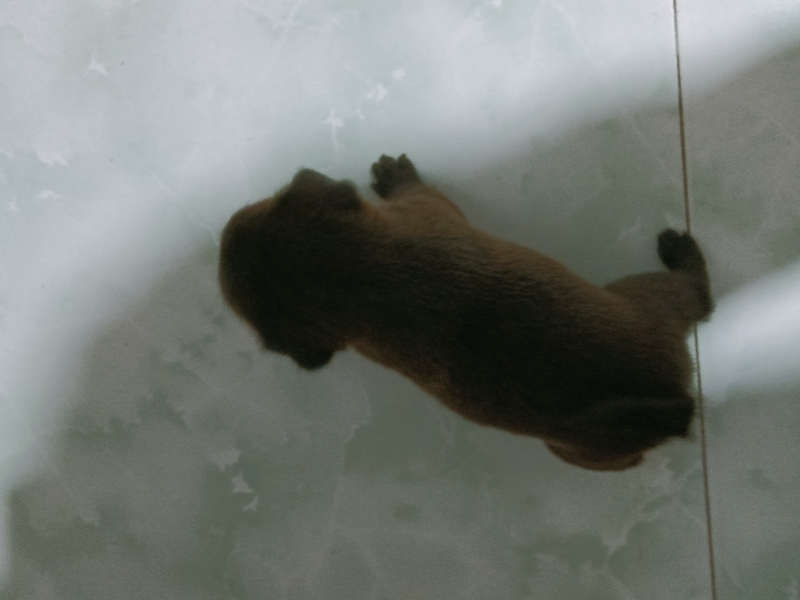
x=280 y=261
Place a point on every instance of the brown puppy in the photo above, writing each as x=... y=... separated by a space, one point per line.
x=503 y=335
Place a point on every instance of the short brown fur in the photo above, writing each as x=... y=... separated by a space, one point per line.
x=503 y=335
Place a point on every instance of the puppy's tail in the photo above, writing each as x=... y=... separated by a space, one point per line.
x=622 y=426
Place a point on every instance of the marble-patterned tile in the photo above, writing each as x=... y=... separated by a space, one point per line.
x=151 y=450
x=743 y=137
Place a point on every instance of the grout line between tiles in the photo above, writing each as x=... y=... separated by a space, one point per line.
x=700 y=399
x=681 y=121
x=704 y=460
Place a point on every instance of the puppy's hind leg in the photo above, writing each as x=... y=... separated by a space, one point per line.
x=393 y=174
x=684 y=292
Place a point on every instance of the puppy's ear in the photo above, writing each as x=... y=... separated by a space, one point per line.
x=312 y=358
x=589 y=459
x=310 y=188
x=307 y=355
x=343 y=195
x=307 y=179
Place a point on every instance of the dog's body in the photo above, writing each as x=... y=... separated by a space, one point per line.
x=501 y=334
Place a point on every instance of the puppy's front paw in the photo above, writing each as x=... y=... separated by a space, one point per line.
x=391 y=174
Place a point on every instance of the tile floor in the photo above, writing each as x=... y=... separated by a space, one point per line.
x=149 y=449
